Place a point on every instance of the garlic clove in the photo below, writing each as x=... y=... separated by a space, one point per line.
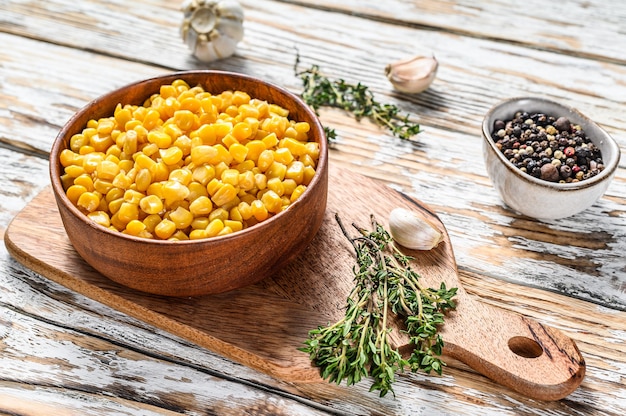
x=412 y=231
x=412 y=75
x=212 y=28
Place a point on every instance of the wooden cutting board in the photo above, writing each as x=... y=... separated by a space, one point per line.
x=263 y=326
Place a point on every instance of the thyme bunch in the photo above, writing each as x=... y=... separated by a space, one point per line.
x=358 y=346
x=357 y=99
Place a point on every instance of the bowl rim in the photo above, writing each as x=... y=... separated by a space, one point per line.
x=57 y=147
x=610 y=165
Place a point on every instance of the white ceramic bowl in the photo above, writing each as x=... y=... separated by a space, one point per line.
x=534 y=197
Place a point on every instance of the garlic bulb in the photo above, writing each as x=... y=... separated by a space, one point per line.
x=412 y=231
x=412 y=75
x=212 y=28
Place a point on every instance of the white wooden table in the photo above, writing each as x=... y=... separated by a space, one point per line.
x=63 y=353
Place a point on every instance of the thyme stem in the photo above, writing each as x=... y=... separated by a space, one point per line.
x=358 y=345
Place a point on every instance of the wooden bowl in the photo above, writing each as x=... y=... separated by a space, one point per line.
x=195 y=267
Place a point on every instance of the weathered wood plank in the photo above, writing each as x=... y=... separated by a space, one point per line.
x=581 y=28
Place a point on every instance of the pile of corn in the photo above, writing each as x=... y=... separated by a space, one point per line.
x=189 y=164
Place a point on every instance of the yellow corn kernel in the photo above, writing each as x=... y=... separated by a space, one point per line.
x=128 y=212
x=89 y=201
x=171 y=156
x=100 y=217
x=151 y=222
x=168 y=91
x=155 y=188
x=249 y=111
x=270 y=141
x=198 y=234
x=245 y=180
x=206 y=133
x=84 y=150
x=142 y=161
x=150 y=149
x=160 y=138
x=297 y=192
x=174 y=191
x=76 y=142
x=218 y=213
x=224 y=194
x=91 y=161
x=159 y=171
x=278 y=110
x=151 y=204
x=283 y=155
x=142 y=133
x=135 y=227
x=214 y=227
x=225 y=231
x=309 y=172
x=131 y=125
x=238 y=151
x=74 y=171
x=266 y=158
x=230 y=176
x=122 y=115
x=191 y=104
x=128 y=142
x=241 y=131
x=114 y=193
x=152 y=119
x=229 y=140
x=296 y=147
x=235 y=215
x=201 y=206
x=200 y=223
x=74 y=192
x=213 y=186
x=100 y=143
x=84 y=180
x=165 y=229
x=295 y=171
x=313 y=150
x=133 y=196
x=183 y=176
x=126 y=165
x=122 y=180
x=222 y=128
x=276 y=170
x=288 y=186
x=114 y=206
x=290 y=132
x=259 y=210
x=181 y=217
x=245 y=166
x=196 y=190
x=203 y=154
x=255 y=148
x=143 y=179
x=102 y=186
x=245 y=210
x=179 y=235
x=183 y=143
x=260 y=181
x=272 y=201
x=185 y=120
x=276 y=185
x=203 y=174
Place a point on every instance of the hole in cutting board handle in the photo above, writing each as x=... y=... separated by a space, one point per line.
x=525 y=347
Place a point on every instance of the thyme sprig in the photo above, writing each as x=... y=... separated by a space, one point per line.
x=358 y=345
x=357 y=99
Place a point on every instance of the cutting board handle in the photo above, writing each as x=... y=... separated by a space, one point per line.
x=515 y=351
